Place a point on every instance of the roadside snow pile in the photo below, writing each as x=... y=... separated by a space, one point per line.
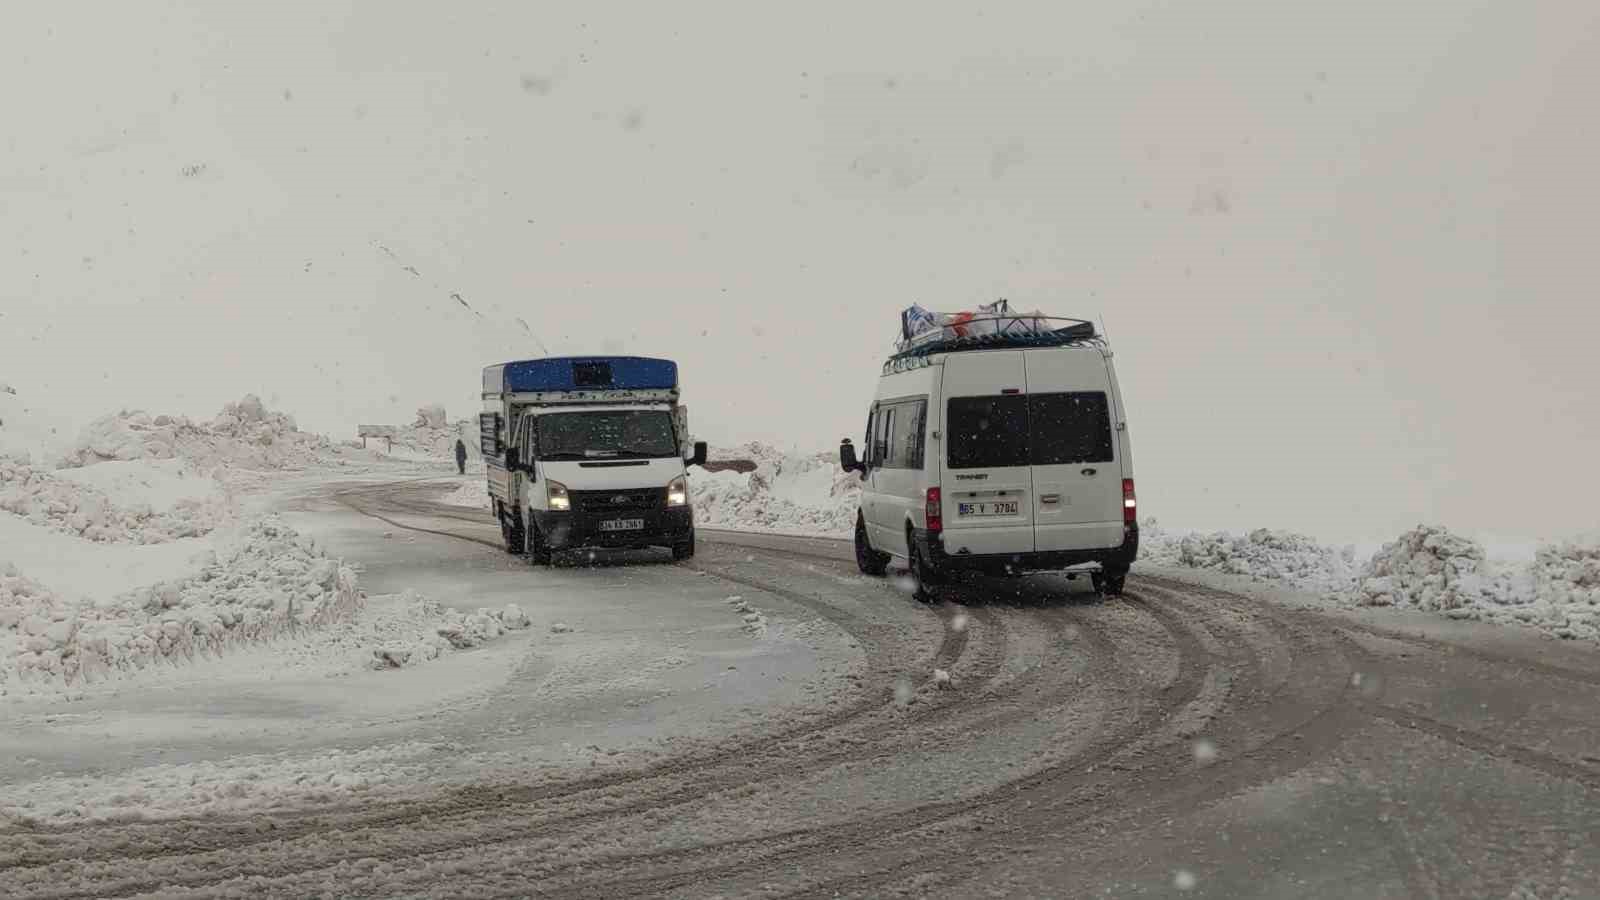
x=787 y=493
x=473 y=495
x=271 y=581
x=1567 y=578
x=443 y=629
x=1568 y=573
x=1431 y=568
x=1261 y=554
x=1428 y=568
x=161 y=500
x=244 y=434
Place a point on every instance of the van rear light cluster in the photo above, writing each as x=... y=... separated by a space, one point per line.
x=935 y=511
x=1130 y=503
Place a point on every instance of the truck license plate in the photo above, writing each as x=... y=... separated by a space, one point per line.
x=622 y=525
x=984 y=508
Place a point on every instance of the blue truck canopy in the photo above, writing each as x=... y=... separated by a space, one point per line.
x=581 y=373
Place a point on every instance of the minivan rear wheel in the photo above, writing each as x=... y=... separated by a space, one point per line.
x=1109 y=584
x=868 y=560
x=922 y=570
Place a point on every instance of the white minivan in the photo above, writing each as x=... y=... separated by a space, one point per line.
x=1003 y=455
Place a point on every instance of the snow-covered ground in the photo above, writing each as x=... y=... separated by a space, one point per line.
x=139 y=557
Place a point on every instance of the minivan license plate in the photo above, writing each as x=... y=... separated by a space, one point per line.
x=987 y=508
x=622 y=525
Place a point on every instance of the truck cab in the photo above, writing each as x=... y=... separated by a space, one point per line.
x=588 y=453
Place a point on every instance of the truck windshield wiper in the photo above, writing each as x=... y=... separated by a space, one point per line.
x=644 y=451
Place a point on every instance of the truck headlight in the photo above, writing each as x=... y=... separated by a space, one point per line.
x=678 y=492
x=557 y=493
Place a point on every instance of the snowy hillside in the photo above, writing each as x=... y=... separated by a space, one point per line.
x=138 y=551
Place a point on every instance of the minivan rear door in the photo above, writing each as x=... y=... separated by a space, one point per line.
x=1076 y=475
x=987 y=486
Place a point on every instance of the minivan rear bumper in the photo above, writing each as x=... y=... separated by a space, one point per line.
x=1111 y=558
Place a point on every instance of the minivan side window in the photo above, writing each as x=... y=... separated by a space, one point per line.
x=866 y=442
x=987 y=432
x=906 y=441
x=1067 y=429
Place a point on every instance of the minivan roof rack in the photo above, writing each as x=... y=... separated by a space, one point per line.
x=999 y=333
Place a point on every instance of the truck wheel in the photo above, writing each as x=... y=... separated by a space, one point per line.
x=868 y=560
x=538 y=553
x=684 y=549
x=510 y=531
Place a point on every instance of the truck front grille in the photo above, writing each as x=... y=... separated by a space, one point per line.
x=621 y=501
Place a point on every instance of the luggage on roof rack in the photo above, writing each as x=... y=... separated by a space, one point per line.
x=991 y=327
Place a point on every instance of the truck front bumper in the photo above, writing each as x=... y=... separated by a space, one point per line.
x=579 y=529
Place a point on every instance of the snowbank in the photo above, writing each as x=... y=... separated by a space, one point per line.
x=269 y=582
x=245 y=434
x=1431 y=568
x=1428 y=568
x=787 y=493
x=1261 y=554
x=144 y=502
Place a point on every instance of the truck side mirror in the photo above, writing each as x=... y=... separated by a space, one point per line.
x=513 y=459
x=700 y=452
x=847 y=457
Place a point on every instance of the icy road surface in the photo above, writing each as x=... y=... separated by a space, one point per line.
x=765 y=722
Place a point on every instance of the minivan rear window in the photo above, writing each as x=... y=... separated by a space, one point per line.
x=1038 y=429
x=1069 y=428
x=987 y=432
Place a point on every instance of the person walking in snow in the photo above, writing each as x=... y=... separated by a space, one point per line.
x=461 y=456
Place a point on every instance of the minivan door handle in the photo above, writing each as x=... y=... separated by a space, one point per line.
x=1089 y=472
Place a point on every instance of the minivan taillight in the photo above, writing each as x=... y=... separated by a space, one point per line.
x=1130 y=504
x=935 y=511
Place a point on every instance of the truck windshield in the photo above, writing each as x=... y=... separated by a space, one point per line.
x=620 y=434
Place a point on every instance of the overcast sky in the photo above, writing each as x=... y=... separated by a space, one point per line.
x=1346 y=251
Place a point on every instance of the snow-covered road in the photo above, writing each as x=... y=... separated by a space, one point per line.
x=763 y=721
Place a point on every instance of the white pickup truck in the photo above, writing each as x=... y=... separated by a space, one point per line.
x=588 y=452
